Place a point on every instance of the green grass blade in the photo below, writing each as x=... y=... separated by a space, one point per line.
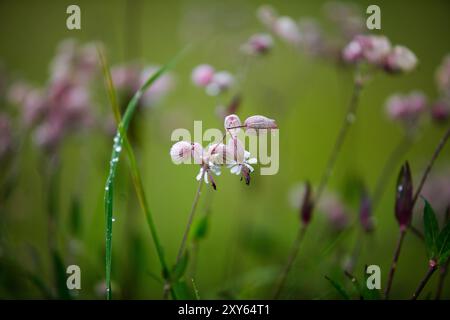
x=119 y=141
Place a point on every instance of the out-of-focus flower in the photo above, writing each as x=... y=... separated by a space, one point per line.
x=443 y=76
x=406 y=108
x=440 y=111
x=347 y=17
x=6 y=141
x=258 y=44
x=129 y=78
x=373 y=49
x=437 y=192
x=287 y=29
x=404 y=197
x=335 y=211
x=307 y=205
x=400 y=59
x=365 y=213
x=222 y=81
x=313 y=40
x=267 y=15
x=202 y=75
x=255 y=123
x=17 y=92
x=377 y=51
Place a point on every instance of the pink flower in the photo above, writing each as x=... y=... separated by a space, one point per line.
x=158 y=89
x=406 y=108
x=232 y=124
x=374 y=49
x=288 y=30
x=183 y=152
x=221 y=82
x=202 y=75
x=258 y=44
x=400 y=59
x=335 y=211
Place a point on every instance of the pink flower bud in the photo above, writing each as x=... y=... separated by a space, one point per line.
x=353 y=52
x=232 y=124
x=373 y=49
x=258 y=44
x=406 y=108
x=254 y=123
x=440 y=111
x=180 y=152
x=202 y=75
x=400 y=59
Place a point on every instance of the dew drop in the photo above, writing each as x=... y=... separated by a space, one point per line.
x=351 y=117
x=118 y=148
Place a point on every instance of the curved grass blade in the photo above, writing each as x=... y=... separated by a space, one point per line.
x=119 y=140
x=340 y=289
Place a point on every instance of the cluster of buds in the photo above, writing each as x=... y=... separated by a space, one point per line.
x=128 y=78
x=378 y=51
x=232 y=154
x=214 y=82
x=440 y=110
x=65 y=103
x=406 y=108
x=258 y=44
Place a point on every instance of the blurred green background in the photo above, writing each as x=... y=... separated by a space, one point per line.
x=251 y=228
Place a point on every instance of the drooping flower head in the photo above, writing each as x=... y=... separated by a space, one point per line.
x=335 y=211
x=258 y=44
x=406 y=108
x=202 y=75
x=440 y=111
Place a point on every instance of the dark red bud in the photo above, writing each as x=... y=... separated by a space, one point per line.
x=365 y=213
x=307 y=205
x=404 y=196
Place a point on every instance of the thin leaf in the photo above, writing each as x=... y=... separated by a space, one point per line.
x=339 y=288
x=197 y=295
x=182 y=290
x=180 y=268
x=201 y=228
x=443 y=244
x=431 y=229
x=115 y=156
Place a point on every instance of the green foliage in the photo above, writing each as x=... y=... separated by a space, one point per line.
x=180 y=267
x=438 y=243
x=339 y=288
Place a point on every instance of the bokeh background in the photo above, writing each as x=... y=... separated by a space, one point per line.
x=251 y=228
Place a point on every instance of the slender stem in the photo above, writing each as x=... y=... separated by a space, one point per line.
x=182 y=247
x=416 y=232
x=293 y=254
x=436 y=153
x=442 y=274
x=431 y=269
x=388 y=168
x=191 y=217
x=394 y=262
x=348 y=120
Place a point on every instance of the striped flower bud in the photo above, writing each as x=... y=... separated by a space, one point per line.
x=404 y=196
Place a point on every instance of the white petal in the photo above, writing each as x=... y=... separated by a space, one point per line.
x=250 y=167
x=252 y=161
x=235 y=169
x=199 y=176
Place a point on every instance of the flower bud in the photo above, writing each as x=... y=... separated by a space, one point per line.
x=400 y=59
x=258 y=44
x=202 y=75
x=440 y=111
x=404 y=196
x=232 y=124
x=182 y=151
x=307 y=205
x=365 y=213
x=254 y=123
x=221 y=81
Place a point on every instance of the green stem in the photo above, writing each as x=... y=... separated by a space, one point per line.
x=394 y=262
